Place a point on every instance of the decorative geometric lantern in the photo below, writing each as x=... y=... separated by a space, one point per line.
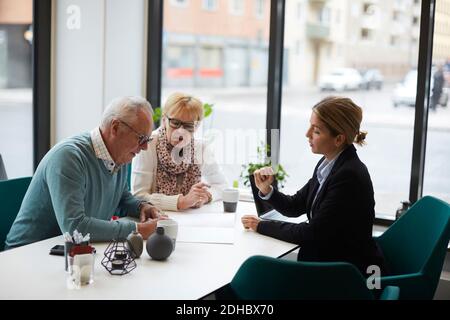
x=118 y=259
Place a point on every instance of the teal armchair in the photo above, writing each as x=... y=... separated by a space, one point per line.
x=11 y=195
x=263 y=278
x=415 y=247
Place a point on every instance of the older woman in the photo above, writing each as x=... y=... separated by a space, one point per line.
x=169 y=173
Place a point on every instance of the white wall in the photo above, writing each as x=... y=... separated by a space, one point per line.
x=95 y=58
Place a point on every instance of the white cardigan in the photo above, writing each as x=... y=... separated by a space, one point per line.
x=143 y=175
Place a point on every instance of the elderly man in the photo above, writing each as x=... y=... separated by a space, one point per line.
x=82 y=182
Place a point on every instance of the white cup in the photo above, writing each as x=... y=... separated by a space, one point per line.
x=170 y=229
x=230 y=199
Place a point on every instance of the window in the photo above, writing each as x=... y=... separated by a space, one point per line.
x=394 y=41
x=324 y=16
x=16 y=114
x=223 y=62
x=237 y=7
x=437 y=176
x=396 y=15
x=210 y=5
x=369 y=75
x=259 y=8
x=178 y=65
x=366 y=34
x=179 y=3
x=368 y=8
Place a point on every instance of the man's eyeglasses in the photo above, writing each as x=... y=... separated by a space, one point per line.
x=143 y=139
x=175 y=123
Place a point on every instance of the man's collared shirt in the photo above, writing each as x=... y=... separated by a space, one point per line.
x=101 y=152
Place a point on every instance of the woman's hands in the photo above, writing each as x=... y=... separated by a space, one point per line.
x=263 y=179
x=250 y=222
x=197 y=197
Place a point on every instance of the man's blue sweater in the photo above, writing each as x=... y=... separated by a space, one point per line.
x=72 y=189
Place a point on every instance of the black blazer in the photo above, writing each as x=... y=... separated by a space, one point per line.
x=340 y=221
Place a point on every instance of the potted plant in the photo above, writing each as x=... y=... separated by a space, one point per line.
x=263 y=161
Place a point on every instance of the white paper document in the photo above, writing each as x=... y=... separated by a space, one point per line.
x=213 y=220
x=205 y=227
x=205 y=235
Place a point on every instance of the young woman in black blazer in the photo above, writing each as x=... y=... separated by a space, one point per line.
x=338 y=199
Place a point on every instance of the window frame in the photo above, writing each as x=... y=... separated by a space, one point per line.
x=41 y=78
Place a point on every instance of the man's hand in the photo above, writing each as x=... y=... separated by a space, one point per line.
x=250 y=222
x=147 y=228
x=150 y=212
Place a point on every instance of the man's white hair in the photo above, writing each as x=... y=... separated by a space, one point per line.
x=125 y=109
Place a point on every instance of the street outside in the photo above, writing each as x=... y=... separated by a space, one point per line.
x=387 y=153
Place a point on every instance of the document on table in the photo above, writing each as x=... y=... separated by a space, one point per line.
x=206 y=235
x=206 y=228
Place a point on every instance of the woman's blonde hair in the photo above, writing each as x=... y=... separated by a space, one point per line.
x=341 y=116
x=180 y=103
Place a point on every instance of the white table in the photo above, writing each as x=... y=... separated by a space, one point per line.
x=191 y=272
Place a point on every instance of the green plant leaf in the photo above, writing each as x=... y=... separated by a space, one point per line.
x=207 y=109
x=157 y=114
x=262 y=154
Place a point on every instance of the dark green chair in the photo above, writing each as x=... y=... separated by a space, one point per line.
x=264 y=278
x=11 y=195
x=415 y=248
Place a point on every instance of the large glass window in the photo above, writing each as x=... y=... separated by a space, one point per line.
x=437 y=175
x=221 y=57
x=16 y=127
x=366 y=50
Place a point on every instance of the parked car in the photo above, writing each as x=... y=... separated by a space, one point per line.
x=341 y=79
x=371 y=79
x=405 y=91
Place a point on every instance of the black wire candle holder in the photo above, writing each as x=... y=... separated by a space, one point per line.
x=118 y=259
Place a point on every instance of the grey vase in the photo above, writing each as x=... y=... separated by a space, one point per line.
x=159 y=246
x=135 y=243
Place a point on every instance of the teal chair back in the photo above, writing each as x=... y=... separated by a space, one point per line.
x=11 y=195
x=261 y=277
x=415 y=248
